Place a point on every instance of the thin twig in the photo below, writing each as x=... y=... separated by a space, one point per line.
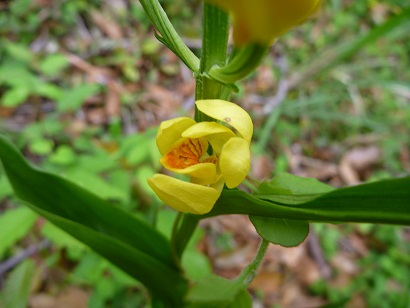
x=31 y=250
x=283 y=87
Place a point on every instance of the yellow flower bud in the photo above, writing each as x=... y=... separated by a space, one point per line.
x=261 y=21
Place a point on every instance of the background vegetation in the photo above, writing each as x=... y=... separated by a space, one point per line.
x=83 y=85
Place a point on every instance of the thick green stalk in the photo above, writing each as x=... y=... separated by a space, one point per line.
x=214 y=52
x=185 y=226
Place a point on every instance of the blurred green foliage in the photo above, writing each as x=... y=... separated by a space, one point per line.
x=384 y=272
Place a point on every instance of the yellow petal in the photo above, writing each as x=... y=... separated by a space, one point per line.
x=260 y=21
x=234 y=161
x=217 y=141
x=229 y=113
x=211 y=182
x=204 y=172
x=170 y=132
x=216 y=134
x=219 y=185
x=204 y=129
x=184 y=196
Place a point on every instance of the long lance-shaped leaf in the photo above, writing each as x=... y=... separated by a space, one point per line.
x=61 y=197
x=386 y=201
x=131 y=244
x=169 y=37
x=165 y=283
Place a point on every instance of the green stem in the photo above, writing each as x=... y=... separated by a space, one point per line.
x=214 y=49
x=249 y=272
x=174 y=240
x=183 y=229
x=214 y=52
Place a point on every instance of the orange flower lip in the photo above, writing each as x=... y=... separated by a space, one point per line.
x=185 y=154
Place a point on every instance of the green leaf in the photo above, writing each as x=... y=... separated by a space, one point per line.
x=290 y=189
x=284 y=232
x=105 y=288
x=14 y=225
x=215 y=291
x=49 y=90
x=242 y=300
x=54 y=64
x=93 y=182
x=5 y=188
x=97 y=162
x=17 y=287
x=141 y=175
x=150 y=47
x=15 y=96
x=163 y=281
x=90 y=267
x=137 y=148
x=196 y=264
x=75 y=97
x=126 y=241
x=16 y=75
x=41 y=146
x=386 y=201
x=243 y=61
x=63 y=155
x=139 y=154
x=169 y=36
x=19 y=52
x=62 y=239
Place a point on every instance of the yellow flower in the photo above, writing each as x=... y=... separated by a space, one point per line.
x=261 y=21
x=210 y=153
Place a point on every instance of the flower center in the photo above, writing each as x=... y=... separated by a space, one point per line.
x=186 y=154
